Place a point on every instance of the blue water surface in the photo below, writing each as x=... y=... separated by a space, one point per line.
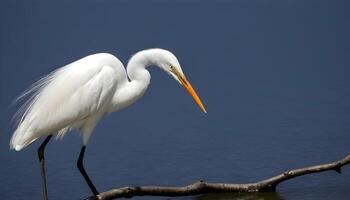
x=273 y=75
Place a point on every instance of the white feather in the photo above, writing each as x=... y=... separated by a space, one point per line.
x=79 y=94
x=67 y=97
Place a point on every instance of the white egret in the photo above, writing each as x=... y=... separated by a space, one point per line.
x=79 y=94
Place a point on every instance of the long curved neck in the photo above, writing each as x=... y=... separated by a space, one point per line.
x=139 y=77
x=138 y=63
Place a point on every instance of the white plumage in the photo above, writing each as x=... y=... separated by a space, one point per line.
x=79 y=94
x=74 y=96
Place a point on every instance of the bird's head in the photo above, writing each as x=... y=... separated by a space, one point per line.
x=169 y=63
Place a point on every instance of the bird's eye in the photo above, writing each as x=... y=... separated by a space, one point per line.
x=171 y=67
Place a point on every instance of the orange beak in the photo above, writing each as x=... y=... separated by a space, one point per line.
x=191 y=91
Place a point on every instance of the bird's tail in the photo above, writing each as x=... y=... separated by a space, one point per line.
x=20 y=138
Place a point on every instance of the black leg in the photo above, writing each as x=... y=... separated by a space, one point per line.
x=41 y=152
x=83 y=172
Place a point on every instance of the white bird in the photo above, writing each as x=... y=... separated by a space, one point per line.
x=79 y=94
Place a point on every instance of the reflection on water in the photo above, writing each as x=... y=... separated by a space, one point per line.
x=241 y=196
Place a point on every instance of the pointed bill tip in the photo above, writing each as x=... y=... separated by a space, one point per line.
x=186 y=84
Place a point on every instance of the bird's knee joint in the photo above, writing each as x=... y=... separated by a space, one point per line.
x=80 y=165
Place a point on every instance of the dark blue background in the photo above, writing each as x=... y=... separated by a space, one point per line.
x=273 y=75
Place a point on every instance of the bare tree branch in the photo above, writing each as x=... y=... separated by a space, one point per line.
x=202 y=187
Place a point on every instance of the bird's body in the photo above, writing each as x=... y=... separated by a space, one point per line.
x=74 y=96
x=79 y=94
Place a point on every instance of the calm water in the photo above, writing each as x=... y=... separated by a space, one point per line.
x=274 y=77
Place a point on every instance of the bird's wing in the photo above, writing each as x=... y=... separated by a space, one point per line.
x=69 y=94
